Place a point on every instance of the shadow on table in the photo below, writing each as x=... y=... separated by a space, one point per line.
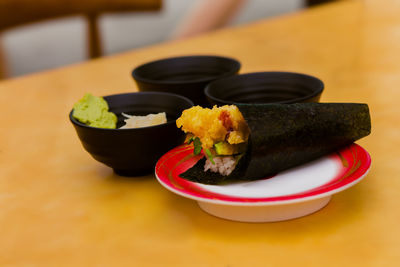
x=345 y=208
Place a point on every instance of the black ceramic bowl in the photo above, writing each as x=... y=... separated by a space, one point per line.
x=133 y=152
x=185 y=76
x=265 y=87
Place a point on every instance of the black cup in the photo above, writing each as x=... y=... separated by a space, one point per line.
x=133 y=152
x=265 y=87
x=186 y=76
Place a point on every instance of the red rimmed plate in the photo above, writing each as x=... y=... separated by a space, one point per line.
x=287 y=195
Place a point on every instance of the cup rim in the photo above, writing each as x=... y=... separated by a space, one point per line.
x=316 y=92
x=82 y=125
x=236 y=65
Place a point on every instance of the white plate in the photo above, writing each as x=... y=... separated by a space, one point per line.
x=290 y=194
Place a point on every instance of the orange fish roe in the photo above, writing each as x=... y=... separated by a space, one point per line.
x=214 y=125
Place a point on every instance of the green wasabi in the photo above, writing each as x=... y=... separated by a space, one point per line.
x=93 y=111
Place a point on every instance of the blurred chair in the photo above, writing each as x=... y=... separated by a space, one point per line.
x=14 y=13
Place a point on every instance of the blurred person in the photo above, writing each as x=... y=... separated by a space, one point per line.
x=207 y=15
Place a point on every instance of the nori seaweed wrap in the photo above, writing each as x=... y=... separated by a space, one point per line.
x=283 y=136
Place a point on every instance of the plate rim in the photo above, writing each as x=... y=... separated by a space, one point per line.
x=271 y=202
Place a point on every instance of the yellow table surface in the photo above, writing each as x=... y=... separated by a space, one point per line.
x=60 y=207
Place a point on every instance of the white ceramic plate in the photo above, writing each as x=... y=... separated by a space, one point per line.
x=287 y=195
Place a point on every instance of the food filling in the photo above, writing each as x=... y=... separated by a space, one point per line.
x=93 y=111
x=221 y=132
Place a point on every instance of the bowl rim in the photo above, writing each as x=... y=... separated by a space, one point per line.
x=82 y=125
x=318 y=91
x=236 y=66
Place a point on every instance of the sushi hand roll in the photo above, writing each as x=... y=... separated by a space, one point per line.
x=249 y=142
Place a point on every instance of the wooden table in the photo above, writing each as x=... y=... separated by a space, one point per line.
x=60 y=207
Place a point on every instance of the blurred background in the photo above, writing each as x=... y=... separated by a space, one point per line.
x=57 y=42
